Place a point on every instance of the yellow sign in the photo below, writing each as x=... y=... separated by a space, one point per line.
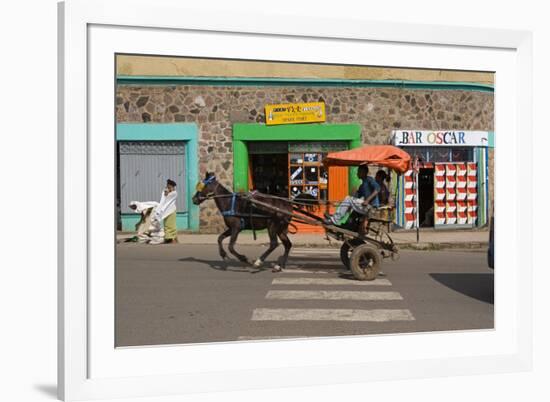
x=292 y=113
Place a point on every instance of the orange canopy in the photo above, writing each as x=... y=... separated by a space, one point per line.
x=381 y=155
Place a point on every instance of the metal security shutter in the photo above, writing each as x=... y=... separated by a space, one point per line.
x=144 y=168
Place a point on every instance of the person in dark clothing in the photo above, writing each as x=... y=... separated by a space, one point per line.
x=384 y=194
x=365 y=197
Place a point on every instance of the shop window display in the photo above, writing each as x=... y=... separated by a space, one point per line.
x=307 y=175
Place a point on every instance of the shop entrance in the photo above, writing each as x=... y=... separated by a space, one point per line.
x=452 y=188
x=426 y=197
x=295 y=170
x=258 y=152
x=289 y=169
x=269 y=173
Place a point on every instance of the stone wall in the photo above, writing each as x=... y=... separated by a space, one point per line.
x=378 y=110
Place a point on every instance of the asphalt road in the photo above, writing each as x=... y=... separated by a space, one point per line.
x=175 y=294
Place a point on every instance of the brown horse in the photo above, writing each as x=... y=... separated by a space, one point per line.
x=239 y=214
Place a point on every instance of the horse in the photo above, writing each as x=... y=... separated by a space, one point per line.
x=239 y=213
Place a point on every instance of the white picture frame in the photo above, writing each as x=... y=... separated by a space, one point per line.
x=92 y=32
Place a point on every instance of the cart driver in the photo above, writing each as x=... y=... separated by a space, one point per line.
x=364 y=198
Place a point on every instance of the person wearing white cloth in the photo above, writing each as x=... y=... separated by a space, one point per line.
x=145 y=230
x=165 y=212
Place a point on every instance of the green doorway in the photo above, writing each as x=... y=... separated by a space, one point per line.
x=245 y=133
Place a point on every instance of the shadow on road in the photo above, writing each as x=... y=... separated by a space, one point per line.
x=346 y=275
x=477 y=286
x=233 y=265
x=228 y=265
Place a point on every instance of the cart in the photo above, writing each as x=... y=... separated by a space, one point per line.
x=365 y=235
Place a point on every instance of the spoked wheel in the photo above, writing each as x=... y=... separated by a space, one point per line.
x=365 y=262
x=347 y=248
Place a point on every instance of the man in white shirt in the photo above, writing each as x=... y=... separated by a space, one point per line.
x=166 y=212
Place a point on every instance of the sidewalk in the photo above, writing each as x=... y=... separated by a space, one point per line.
x=428 y=239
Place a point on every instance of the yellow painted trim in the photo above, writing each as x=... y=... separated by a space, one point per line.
x=128 y=65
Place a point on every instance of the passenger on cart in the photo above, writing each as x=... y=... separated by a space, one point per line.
x=384 y=194
x=362 y=200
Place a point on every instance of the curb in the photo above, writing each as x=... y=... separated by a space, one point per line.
x=444 y=246
x=402 y=245
x=467 y=246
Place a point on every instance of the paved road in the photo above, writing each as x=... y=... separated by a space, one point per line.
x=173 y=294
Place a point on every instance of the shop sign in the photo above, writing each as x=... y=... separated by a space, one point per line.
x=440 y=138
x=293 y=113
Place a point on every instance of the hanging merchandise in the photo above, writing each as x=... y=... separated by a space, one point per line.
x=461 y=193
x=455 y=189
x=472 y=193
x=410 y=199
x=462 y=212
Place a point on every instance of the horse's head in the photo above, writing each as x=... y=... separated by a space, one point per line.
x=205 y=188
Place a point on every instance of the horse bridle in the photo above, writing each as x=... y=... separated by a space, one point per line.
x=212 y=193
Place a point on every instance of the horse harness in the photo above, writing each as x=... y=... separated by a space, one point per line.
x=232 y=212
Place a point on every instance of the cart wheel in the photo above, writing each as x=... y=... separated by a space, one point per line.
x=365 y=262
x=347 y=248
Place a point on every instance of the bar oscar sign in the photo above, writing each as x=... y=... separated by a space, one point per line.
x=441 y=138
x=293 y=113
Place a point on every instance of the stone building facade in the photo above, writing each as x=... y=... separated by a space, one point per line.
x=378 y=110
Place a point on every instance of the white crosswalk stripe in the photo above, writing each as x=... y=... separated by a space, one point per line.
x=329 y=282
x=380 y=315
x=350 y=303
x=331 y=295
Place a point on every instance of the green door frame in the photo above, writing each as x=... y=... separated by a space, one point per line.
x=243 y=132
x=187 y=132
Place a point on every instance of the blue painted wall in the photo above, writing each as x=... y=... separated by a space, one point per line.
x=187 y=132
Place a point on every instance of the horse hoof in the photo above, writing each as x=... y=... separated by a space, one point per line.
x=258 y=263
x=276 y=268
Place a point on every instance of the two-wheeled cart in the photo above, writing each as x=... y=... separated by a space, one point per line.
x=365 y=235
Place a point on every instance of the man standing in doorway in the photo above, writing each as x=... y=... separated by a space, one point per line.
x=365 y=197
x=166 y=212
